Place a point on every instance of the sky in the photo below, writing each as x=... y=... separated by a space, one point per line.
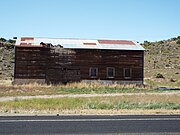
x=139 y=20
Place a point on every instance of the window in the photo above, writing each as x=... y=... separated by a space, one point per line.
x=93 y=72
x=110 y=72
x=127 y=73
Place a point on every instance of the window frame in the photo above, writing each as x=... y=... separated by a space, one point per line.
x=90 y=72
x=130 y=73
x=107 y=72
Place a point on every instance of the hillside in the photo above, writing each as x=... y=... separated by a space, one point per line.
x=162 y=61
x=6 y=59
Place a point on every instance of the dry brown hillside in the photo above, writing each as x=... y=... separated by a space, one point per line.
x=6 y=59
x=162 y=62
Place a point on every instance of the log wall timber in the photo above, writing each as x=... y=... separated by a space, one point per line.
x=59 y=65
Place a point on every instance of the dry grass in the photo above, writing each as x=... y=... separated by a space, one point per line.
x=79 y=85
x=97 y=85
x=23 y=90
x=5 y=82
x=115 y=104
x=7 y=89
x=159 y=82
x=143 y=103
x=144 y=98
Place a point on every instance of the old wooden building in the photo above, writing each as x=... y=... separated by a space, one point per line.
x=53 y=61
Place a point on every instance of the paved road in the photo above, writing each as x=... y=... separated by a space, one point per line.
x=156 y=124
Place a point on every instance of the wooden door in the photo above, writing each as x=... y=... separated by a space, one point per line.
x=62 y=75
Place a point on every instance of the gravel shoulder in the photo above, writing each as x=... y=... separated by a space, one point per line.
x=3 y=99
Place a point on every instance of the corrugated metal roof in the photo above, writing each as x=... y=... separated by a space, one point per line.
x=116 y=42
x=81 y=43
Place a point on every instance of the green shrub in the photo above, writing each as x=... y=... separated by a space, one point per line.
x=173 y=39
x=3 y=40
x=178 y=41
x=178 y=83
x=11 y=41
x=159 y=75
x=161 y=42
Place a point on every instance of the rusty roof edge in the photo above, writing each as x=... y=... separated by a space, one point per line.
x=79 y=43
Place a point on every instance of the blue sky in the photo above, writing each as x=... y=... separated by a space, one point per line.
x=138 y=20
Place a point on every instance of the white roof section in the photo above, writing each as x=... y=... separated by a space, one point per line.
x=80 y=43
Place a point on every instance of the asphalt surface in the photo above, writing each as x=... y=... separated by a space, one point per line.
x=106 y=124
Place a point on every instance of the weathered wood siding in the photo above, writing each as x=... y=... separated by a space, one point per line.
x=59 y=65
x=110 y=58
x=31 y=62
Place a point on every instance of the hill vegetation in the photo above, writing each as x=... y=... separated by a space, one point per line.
x=6 y=58
x=163 y=54
x=162 y=61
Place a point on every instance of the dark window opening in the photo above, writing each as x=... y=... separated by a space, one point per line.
x=93 y=72
x=110 y=72
x=127 y=73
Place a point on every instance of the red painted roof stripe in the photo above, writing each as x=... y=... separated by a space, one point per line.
x=116 y=42
x=26 y=38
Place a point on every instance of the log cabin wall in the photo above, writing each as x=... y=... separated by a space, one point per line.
x=58 y=65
